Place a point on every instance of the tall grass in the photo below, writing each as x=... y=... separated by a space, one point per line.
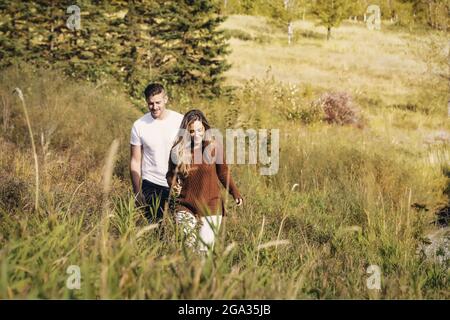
x=30 y=130
x=351 y=209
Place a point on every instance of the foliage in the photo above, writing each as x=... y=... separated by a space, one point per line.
x=134 y=41
x=331 y=13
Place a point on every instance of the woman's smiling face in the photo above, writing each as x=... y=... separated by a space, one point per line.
x=197 y=132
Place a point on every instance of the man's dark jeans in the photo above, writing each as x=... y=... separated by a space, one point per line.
x=156 y=197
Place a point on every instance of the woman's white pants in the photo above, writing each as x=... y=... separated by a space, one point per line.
x=203 y=239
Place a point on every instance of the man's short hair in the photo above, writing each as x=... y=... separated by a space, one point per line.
x=153 y=89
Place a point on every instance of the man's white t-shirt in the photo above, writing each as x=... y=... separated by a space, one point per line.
x=157 y=137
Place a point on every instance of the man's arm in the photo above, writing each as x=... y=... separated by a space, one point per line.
x=135 y=170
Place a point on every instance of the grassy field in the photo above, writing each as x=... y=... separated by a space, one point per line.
x=344 y=198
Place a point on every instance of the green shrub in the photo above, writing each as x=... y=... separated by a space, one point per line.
x=238 y=34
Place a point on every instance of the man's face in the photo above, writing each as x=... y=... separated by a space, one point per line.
x=157 y=104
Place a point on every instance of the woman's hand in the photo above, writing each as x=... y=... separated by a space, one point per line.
x=176 y=189
x=239 y=201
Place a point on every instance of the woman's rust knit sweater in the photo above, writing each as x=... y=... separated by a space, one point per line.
x=200 y=193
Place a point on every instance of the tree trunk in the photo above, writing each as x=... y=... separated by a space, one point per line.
x=52 y=30
x=448 y=108
x=430 y=14
x=328 y=33
x=290 y=33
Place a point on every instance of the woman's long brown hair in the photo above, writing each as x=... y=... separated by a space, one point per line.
x=183 y=152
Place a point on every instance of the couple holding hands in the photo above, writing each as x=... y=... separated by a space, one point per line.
x=172 y=155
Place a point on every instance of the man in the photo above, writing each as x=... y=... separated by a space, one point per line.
x=152 y=137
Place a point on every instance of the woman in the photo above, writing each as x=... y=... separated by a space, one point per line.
x=195 y=168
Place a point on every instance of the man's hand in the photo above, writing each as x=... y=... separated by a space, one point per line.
x=139 y=200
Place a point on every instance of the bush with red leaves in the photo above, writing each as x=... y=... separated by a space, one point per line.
x=338 y=108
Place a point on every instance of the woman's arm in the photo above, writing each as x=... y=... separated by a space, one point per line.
x=224 y=173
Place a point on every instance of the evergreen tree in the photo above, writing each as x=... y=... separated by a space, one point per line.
x=14 y=40
x=89 y=51
x=134 y=50
x=192 y=49
x=135 y=41
x=36 y=32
